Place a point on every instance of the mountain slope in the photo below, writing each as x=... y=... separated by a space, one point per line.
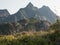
x=4 y=13
x=48 y=13
x=30 y=11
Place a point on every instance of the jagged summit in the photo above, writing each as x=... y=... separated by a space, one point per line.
x=43 y=13
x=45 y=7
x=30 y=11
x=48 y=13
x=30 y=5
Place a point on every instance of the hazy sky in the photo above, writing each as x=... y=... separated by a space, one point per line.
x=14 y=5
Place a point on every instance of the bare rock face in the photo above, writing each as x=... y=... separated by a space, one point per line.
x=4 y=13
x=48 y=14
x=43 y=13
x=30 y=11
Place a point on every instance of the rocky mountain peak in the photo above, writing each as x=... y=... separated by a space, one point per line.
x=4 y=12
x=30 y=5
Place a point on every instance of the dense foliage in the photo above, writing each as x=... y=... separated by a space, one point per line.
x=50 y=39
x=33 y=38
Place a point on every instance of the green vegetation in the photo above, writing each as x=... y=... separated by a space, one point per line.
x=25 y=39
x=51 y=37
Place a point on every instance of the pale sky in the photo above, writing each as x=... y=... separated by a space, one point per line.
x=14 y=5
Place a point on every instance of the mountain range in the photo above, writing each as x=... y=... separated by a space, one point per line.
x=30 y=11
